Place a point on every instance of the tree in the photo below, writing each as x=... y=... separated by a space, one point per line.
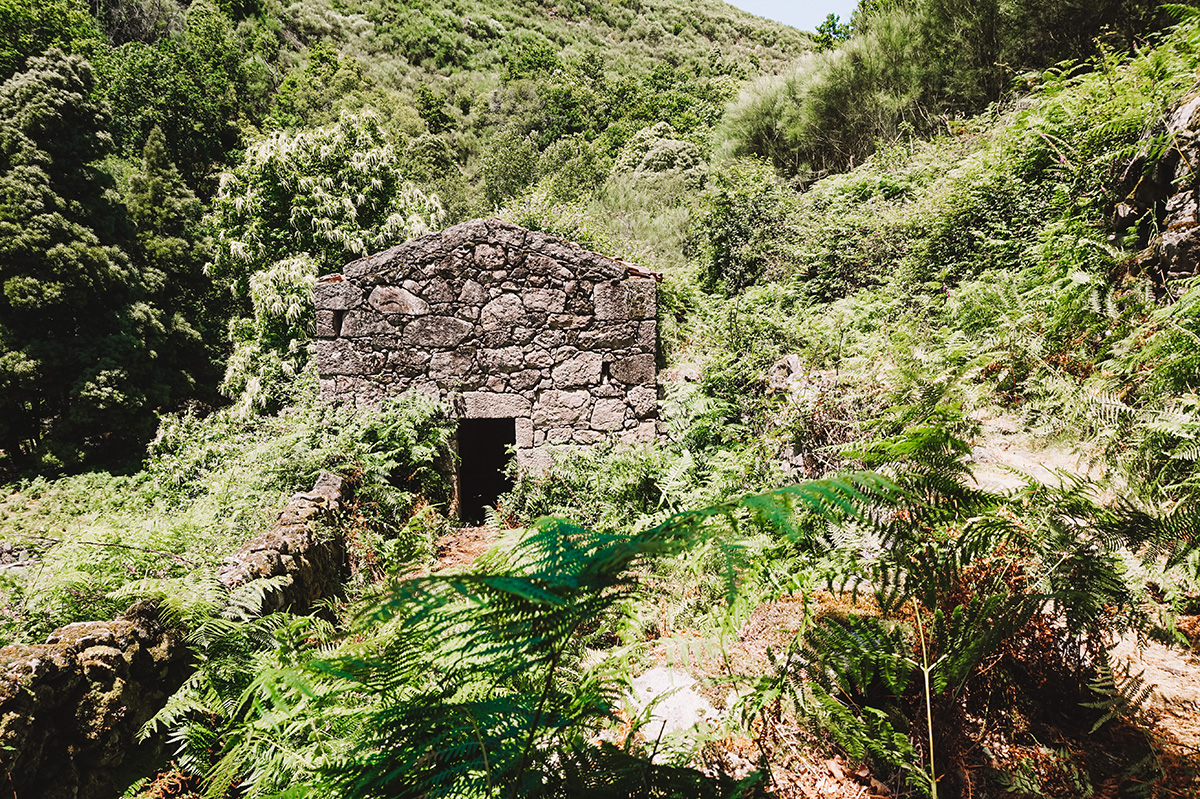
x=657 y=154
x=299 y=205
x=138 y=20
x=831 y=33
x=507 y=167
x=174 y=250
x=79 y=375
x=194 y=87
x=432 y=108
x=29 y=27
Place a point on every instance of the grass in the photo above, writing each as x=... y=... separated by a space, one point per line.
x=209 y=486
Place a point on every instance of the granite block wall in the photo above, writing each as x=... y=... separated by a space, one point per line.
x=505 y=323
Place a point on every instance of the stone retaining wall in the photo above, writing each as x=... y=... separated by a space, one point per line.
x=70 y=708
x=1162 y=201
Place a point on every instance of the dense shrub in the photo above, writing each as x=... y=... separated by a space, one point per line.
x=209 y=485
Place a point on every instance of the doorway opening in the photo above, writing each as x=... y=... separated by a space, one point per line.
x=483 y=450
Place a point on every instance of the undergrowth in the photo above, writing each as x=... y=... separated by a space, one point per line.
x=858 y=323
x=209 y=485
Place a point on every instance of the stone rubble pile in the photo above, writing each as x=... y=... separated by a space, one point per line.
x=70 y=708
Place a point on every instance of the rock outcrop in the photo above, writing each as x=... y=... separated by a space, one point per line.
x=70 y=708
x=1162 y=200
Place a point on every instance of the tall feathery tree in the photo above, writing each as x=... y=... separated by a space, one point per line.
x=300 y=205
x=79 y=375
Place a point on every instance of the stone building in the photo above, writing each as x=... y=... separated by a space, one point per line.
x=535 y=342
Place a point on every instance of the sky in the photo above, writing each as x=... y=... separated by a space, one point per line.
x=803 y=14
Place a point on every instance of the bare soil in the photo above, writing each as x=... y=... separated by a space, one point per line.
x=1004 y=457
x=461 y=547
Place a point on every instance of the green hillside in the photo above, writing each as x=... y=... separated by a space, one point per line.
x=472 y=103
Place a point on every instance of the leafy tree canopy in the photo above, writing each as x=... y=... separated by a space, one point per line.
x=174 y=251
x=194 y=87
x=299 y=205
x=30 y=27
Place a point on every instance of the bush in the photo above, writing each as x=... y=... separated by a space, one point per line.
x=211 y=484
x=746 y=229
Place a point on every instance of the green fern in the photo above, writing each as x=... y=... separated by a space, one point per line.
x=476 y=684
x=1120 y=694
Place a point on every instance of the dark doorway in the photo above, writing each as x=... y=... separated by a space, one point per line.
x=483 y=450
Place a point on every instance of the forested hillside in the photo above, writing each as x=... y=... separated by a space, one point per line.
x=109 y=315
x=879 y=242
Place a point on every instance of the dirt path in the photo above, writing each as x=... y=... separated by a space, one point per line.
x=1003 y=455
x=462 y=546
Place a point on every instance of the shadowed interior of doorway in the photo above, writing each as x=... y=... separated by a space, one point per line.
x=484 y=449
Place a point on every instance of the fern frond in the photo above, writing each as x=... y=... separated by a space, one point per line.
x=1120 y=693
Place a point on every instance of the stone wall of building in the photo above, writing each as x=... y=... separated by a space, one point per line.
x=505 y=323
x=70 y=708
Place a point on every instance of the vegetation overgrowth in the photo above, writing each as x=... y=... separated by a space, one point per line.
x=862 y=248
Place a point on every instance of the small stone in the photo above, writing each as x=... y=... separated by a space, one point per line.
x=364 y=323
x=609 y=301
x=648 y=336
x=538 y=358
x=581 y=370
x=504 y=359
x=524 y=380
x=560 y=408
x=489 y=256
x=328 y=324
x=439 y=290
x=641 y=297
x=472 y=293
x=608 y=414
x=610 y=335
x=464 y=234
x=506 y=234
x=540 y=264
x=504 y=311
x=336 y=295
x=489 y=405
x=634 y=370
x=644 y=401
x=545 y=300
x=644 y=433
x=524 y=431
x=522 y=335
x=339 y=358
x=549 y=338
x=445 y=365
